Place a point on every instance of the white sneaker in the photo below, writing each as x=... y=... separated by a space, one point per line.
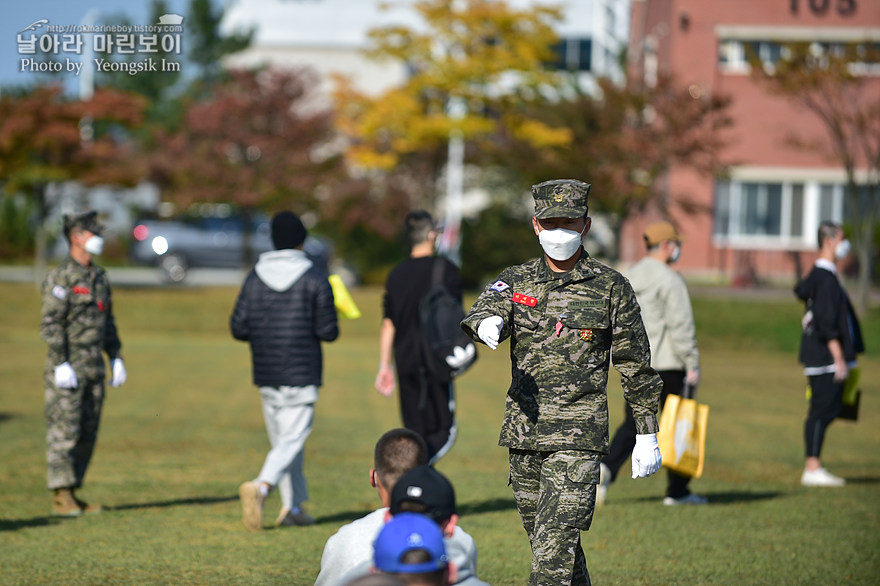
x=690 y=499
x=821 y=477
x=604 y=483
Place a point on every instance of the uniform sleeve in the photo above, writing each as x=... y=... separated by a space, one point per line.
x=680 y=321
x=112 y=344
x=54 y=317
x=631 y=356
x=494 y=300
x=326 y=318
x=238 y=323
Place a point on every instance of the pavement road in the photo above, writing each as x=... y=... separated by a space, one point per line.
x=139 y=276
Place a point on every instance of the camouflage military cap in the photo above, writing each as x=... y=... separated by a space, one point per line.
x=85 y=221
x=561 y=198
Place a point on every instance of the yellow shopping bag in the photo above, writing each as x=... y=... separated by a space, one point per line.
x=851 y=395
x=345 y=305
x=682 y=436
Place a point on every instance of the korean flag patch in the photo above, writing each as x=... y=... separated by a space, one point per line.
x=499 y=286
x=59 y=292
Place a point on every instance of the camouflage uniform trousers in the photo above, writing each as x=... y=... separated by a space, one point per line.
x=72 y=418
x=555 y=494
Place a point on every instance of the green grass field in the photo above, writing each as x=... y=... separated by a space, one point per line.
x=186 y=430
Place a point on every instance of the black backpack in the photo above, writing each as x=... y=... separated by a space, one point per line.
x=440 y=315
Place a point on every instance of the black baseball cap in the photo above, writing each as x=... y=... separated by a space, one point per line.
x=424 y=490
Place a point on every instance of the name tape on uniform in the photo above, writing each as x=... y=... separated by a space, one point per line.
x=524 y=299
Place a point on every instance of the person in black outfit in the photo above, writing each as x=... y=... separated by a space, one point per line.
x=427 y=403
x=284 y=311
x=830 y=341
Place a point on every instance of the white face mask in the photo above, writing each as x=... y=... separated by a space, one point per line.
x=842 y=249
x=675 y=254
x=94 y=245
x=560 y=244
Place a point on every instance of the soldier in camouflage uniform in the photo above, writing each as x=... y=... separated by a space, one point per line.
x=568 y=317
x=77 y=324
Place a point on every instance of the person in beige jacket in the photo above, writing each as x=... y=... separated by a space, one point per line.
x=669 y=323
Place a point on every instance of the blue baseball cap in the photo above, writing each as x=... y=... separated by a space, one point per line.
x=406 y=532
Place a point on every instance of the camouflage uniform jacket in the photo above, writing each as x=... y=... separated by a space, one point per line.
x=77 y=321
x=565 y=330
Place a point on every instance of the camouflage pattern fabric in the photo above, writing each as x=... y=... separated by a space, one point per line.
x=561 y=198
x=555 y=494
x=72 y=417
x=77 y=324
x=565 y=330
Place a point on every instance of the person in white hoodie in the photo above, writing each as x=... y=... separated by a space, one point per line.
x=399 y=463
x=284 y=311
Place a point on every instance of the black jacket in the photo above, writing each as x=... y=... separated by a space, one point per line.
x=406 y=286
x=833 y=319
x=285 y=328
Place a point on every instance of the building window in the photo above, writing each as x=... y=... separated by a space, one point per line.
x=573 y=55
x=773 y=214
x=734 y=54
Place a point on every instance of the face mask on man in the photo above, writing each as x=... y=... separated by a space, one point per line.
x=676 y=252
x=94 y=245
x=560 y=244
x=842 y=249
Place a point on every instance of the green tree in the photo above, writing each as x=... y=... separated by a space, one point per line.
x=831 y=84
x=157 y=86
x=207 y=45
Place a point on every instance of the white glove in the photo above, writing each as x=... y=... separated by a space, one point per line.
x=460 y=356
x=646 y=455
x=65 y=378
x=489 y=330
x=119 y=374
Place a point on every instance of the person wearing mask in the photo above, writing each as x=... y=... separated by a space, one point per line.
x=669 y=323
x=568 y=318
x=830 y=340
x=427 y=400
x=78 y=325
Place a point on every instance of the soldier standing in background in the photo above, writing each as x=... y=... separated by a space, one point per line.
x=568 y=317
x=77 y=324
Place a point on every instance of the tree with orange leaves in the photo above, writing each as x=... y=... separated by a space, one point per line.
x=46 y=138
x=259 y=141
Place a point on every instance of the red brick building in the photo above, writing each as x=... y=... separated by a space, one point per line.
x=761 y=220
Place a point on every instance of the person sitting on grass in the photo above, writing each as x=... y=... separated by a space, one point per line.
x=411 y=547
x=426 y=491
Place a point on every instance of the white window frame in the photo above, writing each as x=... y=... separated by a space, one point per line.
x=732 y=40
x=811 y=179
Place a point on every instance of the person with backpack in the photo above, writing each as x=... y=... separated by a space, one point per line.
x=830 y=341
x=427 y=395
